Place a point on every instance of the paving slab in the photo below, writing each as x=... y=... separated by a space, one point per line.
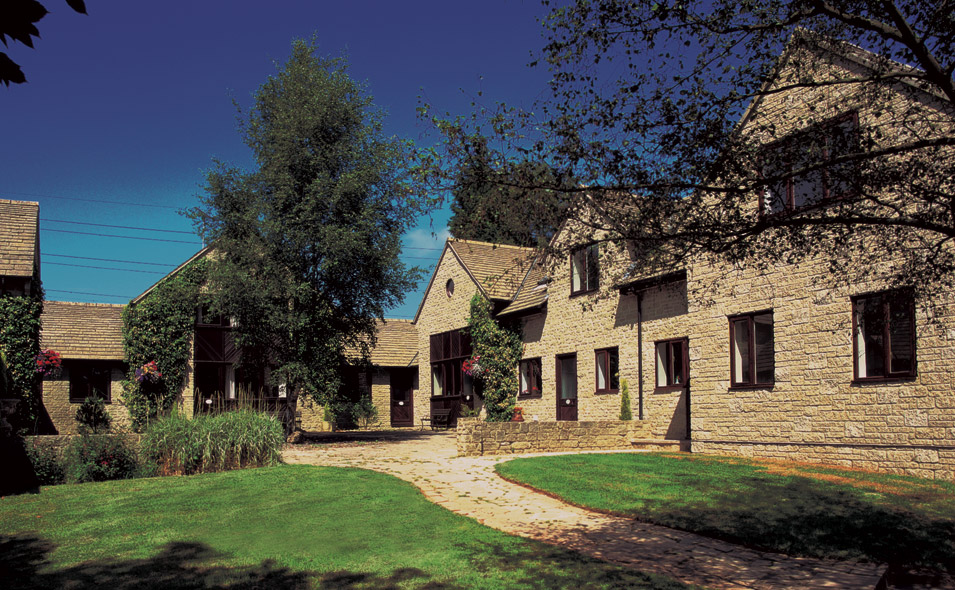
x=471 y=487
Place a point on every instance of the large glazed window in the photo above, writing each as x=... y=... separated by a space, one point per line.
x=585 y=269
x=804 y=166
x=449 y=350
x=752 y=361
x=883 y=335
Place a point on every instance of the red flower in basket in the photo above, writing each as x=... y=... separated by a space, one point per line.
x=49 y=363
x=148 y=372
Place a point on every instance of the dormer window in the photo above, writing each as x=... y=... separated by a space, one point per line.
x=814 y=148
x=585 y=269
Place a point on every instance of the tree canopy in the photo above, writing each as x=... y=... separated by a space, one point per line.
x=18 y=20
x=306 y=245
x=653 y=106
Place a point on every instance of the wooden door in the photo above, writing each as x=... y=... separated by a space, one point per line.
x=567 y=387
x=402 y=401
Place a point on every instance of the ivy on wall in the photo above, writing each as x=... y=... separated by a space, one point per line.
x=159 y=328
x=500 y=350
x=20 y=342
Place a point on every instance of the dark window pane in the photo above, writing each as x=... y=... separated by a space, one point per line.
x=593 y=268
x=677 y=360
x=872 y=328
x=568 y=377
x=763 y=337
x=614 y=369
x=901 y=339
x=775 y=196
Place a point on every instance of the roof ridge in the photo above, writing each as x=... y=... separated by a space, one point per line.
x=495 y=244
x=86 y=303
x=11 y=202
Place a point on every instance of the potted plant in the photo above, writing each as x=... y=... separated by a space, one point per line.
x=518 y=414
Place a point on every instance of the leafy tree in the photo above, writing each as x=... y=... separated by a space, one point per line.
x=516 y=205
x=307 y=243
x=645 y=108
x=18 y=20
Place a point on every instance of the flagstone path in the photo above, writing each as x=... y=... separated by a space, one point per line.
x=469 y=486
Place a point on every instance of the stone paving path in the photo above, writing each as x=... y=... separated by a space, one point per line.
x=469 y=486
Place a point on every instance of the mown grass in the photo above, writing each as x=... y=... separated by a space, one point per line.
x=281 y=527
x=794 y=509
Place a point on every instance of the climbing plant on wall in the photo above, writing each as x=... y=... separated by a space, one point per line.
x=20 y=342
x=499 y=349
x=159 y=329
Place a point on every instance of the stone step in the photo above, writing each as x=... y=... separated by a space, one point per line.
x=657 y=444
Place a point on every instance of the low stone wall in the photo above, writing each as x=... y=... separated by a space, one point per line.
x=59 y=442
x=476 y=437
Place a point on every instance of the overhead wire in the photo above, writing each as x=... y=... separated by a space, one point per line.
x=108 y=260
x=152 y=272
x=167 y=231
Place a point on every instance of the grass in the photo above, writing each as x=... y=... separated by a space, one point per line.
x=291 y=526
x=791 y=508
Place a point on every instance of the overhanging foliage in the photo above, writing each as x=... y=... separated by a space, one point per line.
x=500 y=350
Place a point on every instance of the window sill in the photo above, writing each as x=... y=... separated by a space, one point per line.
x=529 y=395
x=581 y=293
x=79 y=401
x=745 y=387
x=668 y=388
x=606 y=391
x=875 y=380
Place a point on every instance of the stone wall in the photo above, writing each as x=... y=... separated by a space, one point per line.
x=476 y=437
x=56 y=400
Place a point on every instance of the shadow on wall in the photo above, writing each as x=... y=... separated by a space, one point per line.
x=666 y=301
x=677 y=428
x=25 y=565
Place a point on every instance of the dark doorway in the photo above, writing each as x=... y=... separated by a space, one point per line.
x=402 y=399
x=567 y=387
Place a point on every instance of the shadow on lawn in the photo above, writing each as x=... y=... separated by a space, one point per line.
x=801 y=516
x=25 y=565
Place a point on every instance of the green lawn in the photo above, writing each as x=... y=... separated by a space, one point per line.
x=786 y=507
x=284 y=527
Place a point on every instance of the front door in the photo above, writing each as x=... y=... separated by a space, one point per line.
x=402 y=402
x=567 y=387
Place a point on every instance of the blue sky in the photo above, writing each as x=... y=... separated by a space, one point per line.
x=125 y=109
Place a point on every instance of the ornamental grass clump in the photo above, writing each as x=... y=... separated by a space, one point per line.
x=231 y=440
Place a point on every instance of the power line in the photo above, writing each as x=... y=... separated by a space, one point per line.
x=93 y=200
x=85 y=293
x=107 y=260
x=83 y=233
x=152 y=272
x=168 y=231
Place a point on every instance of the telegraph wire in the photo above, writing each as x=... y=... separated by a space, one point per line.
x=85 y=293
x=84 y=233
x=108 y=260
x=93 y=200
x=152 y=272
x=168 y=231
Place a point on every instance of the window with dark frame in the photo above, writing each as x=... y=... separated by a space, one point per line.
x=530 y=376
x=883 y=336
x=89 y=380
x=671 y=363
x=817 y=146
x=752 y=353
x=449 y=350
x=585 y=269
x=608 y=369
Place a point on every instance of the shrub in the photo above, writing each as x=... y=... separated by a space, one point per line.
x=232 y=440
x=46 y=465
x=93 y=417
x=625 y=413
x=99 y=458
x=364 y=412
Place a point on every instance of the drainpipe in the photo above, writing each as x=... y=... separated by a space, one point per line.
x=640 y=353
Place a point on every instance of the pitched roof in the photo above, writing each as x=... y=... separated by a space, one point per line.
x=497 y=268
x=201 y=253
x=19 y=237
x=531 y=295
x=83 y=330
x=397 y=344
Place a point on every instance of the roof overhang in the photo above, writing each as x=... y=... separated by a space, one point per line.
x=644 y=284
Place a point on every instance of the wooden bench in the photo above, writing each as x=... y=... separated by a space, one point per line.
x=439 y=418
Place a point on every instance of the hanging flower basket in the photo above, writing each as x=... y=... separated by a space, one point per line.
x=49 y=363
x=518 y=414
x=472 y=367
x=148 y=373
